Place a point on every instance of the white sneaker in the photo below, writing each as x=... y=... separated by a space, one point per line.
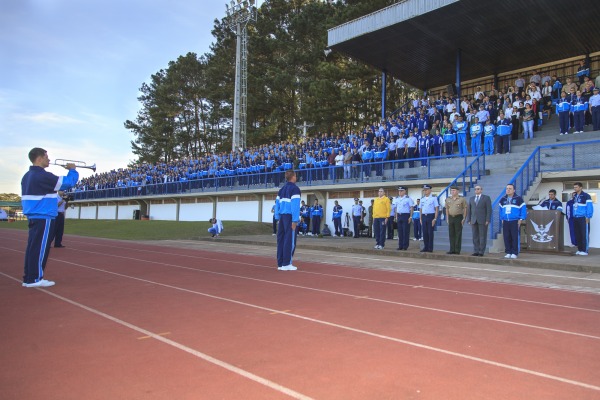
x=582 y=253
x=513 y=256
x=274 y=234
x=507 y=256
x=288 y=268
x=377 y=246
x=41 y=283
x=562 y=133
x=421 y=239
x=414 y=239
x=577 y=253
x=309 y=233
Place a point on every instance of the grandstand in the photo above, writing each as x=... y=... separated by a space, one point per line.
x=242 y=186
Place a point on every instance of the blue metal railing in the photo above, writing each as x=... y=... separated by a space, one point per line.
x=467 y=178
x=567 y=157
x=379 y=171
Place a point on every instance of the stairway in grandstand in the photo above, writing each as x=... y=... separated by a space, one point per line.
x=501 y=168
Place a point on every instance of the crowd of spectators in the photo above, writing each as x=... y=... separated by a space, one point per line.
x=428 y=127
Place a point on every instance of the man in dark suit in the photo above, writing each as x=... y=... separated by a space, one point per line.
x=479 y=214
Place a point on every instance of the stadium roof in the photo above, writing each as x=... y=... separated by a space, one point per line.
x=417 y=40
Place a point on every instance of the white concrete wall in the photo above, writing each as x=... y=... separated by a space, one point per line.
x=163 y=212
x=238 y=211
x=126 y=212
x=107 y=212
x=72 y=213
x=195 y=212
x=267 y=215
x=88 y=212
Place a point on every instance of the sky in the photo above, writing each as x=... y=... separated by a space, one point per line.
x=70 y=71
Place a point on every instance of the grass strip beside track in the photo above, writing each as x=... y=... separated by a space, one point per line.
x=150 y=230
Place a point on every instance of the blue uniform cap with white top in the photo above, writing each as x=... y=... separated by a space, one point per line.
x=401 y=188
x=596 y=89
x=426 y=186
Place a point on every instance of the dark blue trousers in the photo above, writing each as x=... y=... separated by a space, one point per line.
x=427 y=222
x=563 y=119
x=337 y=223
x=581 y=229
x=510 y=230
x=41 y=234
x=379 y=229
x=403 y=231
x=417 y=229
x=316 y=225
x=286 y=240
x=59 y=228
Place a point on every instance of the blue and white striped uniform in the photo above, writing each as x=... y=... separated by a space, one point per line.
x=287 y=211
x=512 y=210
x=583 y=209
x=39 y=198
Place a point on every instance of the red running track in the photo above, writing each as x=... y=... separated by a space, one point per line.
x=134 y=321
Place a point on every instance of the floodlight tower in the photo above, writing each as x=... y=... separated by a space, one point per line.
x=239 y=15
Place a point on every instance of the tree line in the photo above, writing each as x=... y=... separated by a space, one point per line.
x=187 y=108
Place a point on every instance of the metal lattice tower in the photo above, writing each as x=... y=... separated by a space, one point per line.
x=239 y=15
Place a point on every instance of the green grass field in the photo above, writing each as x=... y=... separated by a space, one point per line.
x=151 y=230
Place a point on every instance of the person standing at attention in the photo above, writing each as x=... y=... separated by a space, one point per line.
x=456 y=214
x=287 y=212
x=404 y=207
x=337 y=219
x=583 y=210
x=60 y=219
x=40 y=205
x=479 y=215
x=381 y=213
x=513 y=212
x=429 y=214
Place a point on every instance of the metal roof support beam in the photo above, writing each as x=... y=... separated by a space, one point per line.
x=458 y=61
x=383 y=93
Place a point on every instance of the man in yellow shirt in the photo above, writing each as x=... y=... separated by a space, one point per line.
x=381 y=212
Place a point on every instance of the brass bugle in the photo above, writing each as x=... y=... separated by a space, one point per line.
x=79 y=164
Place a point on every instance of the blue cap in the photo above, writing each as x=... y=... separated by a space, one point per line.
x=426 y=186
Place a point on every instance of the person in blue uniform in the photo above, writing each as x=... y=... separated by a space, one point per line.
x=316 y=213
x=461 y=128
x=503 y=131
x=403 y=208
x=305 y=214
x=357 y=217
x=449 y=139
x=287 y=212
x=423 y=145
x=513 y=212
x=569 y=215
x=594 y=104
x=563 y=109
x=336 y=217
x=552 y=203
x=39 y=199
x=416 y=219
x=476 y=130
x=583 y=210
x=429 y=214
x=578 y=106
x=411 y=149
x=489 y=131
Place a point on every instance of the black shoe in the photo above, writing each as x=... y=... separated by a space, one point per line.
x=449 y=252
x=457 y=253
x=475 y=254
x=399 y=248
x=59 y=246
x=423 y=251
x=480 y=254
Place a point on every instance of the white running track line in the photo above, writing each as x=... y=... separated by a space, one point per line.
x=383 y=282
x=317 y=321
x=338 y=293
x=246 y=374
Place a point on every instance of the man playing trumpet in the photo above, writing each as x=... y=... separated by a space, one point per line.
x=39 y=199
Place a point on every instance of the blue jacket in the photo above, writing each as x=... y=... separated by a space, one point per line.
x=288 y=201
x=337 y=212
x=316 y=211
x=512 y=209
x=38 y=191
x=583 y=206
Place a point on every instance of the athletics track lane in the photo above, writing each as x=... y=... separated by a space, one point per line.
x=326 y=346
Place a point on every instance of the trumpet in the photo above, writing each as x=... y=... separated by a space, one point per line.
x=79 y=164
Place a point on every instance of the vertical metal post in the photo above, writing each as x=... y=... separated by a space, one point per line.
x=383 y=93
x=236 y=141
x=458 y=61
